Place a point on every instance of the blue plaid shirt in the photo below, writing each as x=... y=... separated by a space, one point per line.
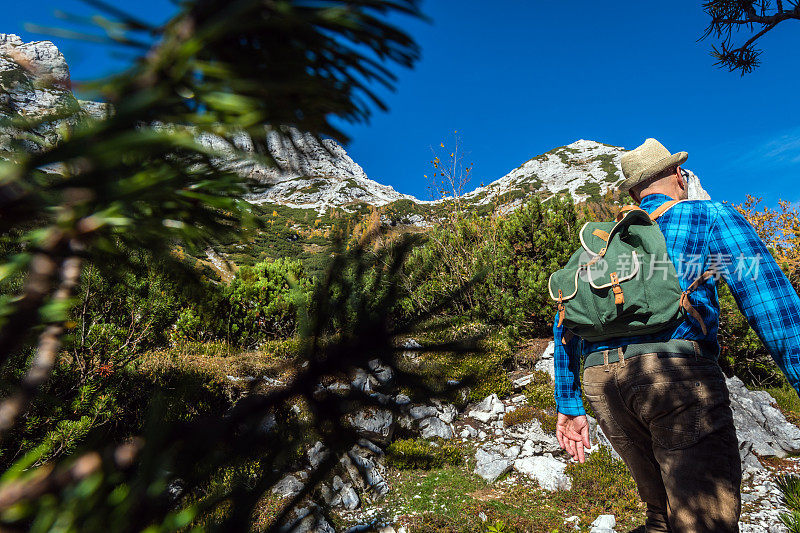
x=703 y=235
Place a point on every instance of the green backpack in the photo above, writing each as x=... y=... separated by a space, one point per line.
x=621 y=282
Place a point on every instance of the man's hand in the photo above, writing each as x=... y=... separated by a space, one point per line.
x=572 y=433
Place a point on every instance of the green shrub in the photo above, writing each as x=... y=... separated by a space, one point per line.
x=435 y=523
x=263 y=300
x=422 y=454
x=531 y=243
x=520 y=415
x=527 y=413
x=512 y=257
x=788 y=401
x=488 y=368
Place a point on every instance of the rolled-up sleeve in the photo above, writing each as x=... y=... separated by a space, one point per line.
x=566 y=361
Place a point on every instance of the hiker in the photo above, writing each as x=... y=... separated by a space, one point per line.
x=649 y=344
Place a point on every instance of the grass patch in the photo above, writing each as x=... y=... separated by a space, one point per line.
x=487 y=368
x=423 y=454
x=444 y=492
x=788 y=402
x=602 y=485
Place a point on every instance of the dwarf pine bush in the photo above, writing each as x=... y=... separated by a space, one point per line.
x=513 y=256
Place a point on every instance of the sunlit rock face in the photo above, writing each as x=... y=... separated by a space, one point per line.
x=35 y=84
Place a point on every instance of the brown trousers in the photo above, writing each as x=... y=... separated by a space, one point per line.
x=669 y=418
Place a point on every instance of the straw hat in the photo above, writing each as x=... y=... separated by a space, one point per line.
x=648 y=160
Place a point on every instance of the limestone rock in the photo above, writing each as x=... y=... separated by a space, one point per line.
x=448 y=413
x=522 y=381
x=375 y=424
x=345 y=496
x=605 y=523
x=481 y=416
x=364 y=472
x=422 y=411
x=316 y=454
x=288 y=486
x=546 y=470
x=382 y=373
x=434 y=427
x=492 y=461
x=760 y=427
x=546 y=361
x=309 y=520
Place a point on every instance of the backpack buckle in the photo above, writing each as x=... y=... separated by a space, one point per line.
x=561 y=308
x=619 y=298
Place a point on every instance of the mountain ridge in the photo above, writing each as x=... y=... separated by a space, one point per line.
x=315 y=173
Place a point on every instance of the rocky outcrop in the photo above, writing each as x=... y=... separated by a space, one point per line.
x=35 y=84
x=760 y=427
x=605 y=523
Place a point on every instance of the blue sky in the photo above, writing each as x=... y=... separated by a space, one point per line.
x=519 y=78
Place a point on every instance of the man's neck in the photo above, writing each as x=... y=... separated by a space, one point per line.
x=661 y=193
x=653 y=200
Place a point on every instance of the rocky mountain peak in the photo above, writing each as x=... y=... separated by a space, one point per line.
x=317 y=174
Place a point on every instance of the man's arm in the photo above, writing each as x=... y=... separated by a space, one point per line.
x=567 y=373
x=572 y=427
x=760 y=288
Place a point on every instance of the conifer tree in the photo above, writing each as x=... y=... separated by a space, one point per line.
x=753 y=17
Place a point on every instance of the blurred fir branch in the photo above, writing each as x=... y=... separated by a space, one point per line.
x=141 y=179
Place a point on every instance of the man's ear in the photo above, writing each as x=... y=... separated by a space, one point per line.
x=681 y=181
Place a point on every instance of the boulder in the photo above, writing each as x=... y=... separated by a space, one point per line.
x=309 y=520
x=546 y=470
x=402 y=399
x=448 y=413
x=468 y=432
x=481 y=416
x=490 y=404
x=574 y=521
x=422 y=411
x=546 y=363
x=433 y=427
x=375 y=424
x=522 y=381
x=536 y=439
x=288 y=486
x=492 y=461
x=363 y=381
x=364 y=472
x=605 y=523
x=760 y=427
x=345 y=496
x=317 y=454
x=382 y=373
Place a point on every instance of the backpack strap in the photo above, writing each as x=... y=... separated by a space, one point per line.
x=687 y=305
x=666 y=206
